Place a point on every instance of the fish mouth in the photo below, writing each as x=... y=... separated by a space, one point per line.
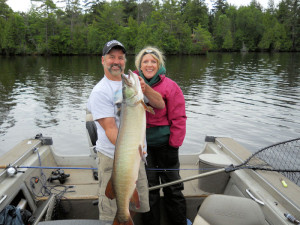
x=126 y=80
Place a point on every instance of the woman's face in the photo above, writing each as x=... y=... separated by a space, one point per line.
x=149 y=66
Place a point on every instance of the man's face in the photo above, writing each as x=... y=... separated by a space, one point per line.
x=114 y=63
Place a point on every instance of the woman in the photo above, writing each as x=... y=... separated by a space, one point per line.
x=165 y=133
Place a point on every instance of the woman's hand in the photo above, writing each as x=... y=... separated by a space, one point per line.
x=143 y=84
x=153 y=96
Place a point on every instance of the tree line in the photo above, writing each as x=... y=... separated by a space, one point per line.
x=175 y=26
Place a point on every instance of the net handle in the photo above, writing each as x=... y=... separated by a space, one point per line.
x=187 y=179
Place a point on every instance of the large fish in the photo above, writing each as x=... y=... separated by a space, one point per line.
x=129 y=149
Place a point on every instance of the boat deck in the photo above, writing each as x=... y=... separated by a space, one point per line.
x=84 y=191
x=86 y=187
x=191 y=188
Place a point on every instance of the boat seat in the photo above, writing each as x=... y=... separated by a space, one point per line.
x=228 y=210
x=92 y=131
x=71 y=222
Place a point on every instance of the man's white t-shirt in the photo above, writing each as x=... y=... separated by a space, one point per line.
x=105 y=101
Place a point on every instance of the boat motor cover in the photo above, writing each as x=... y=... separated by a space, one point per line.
x=228 y=210
x=11 y=215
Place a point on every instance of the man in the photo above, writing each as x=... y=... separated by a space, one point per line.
x=104 y=103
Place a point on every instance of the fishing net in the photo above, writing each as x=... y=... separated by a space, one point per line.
x=283 y=157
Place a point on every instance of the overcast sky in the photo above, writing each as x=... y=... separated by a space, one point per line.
x=24 y=5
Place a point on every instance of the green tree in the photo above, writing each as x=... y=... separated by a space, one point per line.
x=34 y=26
x=249 y=26
x=274 y=36
x=222 y=26
x=73 y=10
x=163 y=28
x=94 y=39
x=202 y=40
x=289 y=15
x=271 y=7
x=183 y=35
x=47 y=9
x=176 y=27
x=228 y=41
x=256 y=4
x=5 y=13
x=195 y=12
x=144 y=10
x=73 y=31
x=106 y=26
x=145 y=36
x=219 y=6
x=129 y=35
x=14 y=35
x=130 y=9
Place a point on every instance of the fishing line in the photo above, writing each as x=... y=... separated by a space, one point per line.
x=94 y=168
x=281 y=157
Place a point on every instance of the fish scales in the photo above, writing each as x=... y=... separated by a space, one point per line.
x=128 y=156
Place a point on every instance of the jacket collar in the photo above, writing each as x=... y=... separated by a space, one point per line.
x=155 y=79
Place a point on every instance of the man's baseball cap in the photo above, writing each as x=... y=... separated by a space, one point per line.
x=113 y=44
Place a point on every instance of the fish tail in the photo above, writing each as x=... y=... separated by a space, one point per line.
x=129 y=222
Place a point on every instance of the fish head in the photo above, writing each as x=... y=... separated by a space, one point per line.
x=131 y=88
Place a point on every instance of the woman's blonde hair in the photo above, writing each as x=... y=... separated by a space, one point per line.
x=155 y=52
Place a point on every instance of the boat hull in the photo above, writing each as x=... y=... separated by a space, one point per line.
x=82 y=187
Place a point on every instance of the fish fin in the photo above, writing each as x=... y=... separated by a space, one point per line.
x=147 y=108
x=142 y=154
x=132 y=213
x=109 y=191
x=116 y=221
x=128 y=222
x=135 y=199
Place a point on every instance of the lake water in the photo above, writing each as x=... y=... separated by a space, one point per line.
x=251 y=97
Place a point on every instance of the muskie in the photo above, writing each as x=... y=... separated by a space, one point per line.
x=129 y=149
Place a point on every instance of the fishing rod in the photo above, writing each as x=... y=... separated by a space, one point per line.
x=283 y=157
x=12 y=170
x=48 y=167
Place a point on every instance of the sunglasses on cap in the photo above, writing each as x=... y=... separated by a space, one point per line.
x=149 y=51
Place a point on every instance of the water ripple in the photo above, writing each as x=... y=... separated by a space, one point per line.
x=254 y=98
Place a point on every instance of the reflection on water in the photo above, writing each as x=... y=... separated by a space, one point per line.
x=253 y=98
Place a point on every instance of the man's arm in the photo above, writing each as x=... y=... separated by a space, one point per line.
x=153 y=96
x=110 y=127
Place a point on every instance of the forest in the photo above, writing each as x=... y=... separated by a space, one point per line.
x=175 y=26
